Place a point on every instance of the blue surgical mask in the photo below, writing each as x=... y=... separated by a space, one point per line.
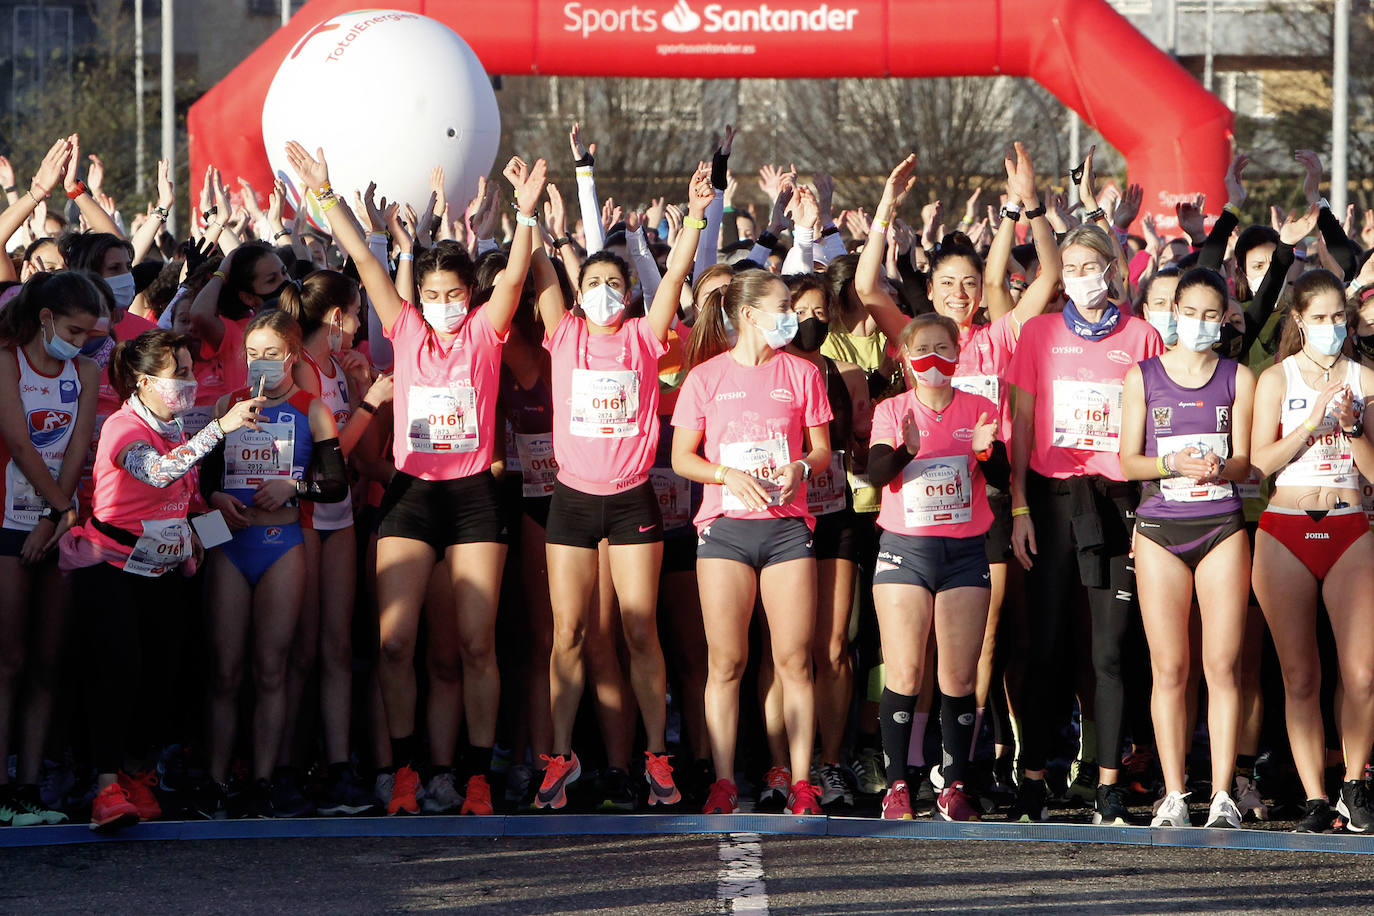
x=58 y=347
x=271 y=371
x=1198 y=335
x=1326 y=339
x=783 y=330
x=1166 y=323
x=731 y=332
x=122 y=285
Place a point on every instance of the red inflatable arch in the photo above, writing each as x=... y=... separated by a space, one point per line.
x=1174 y=134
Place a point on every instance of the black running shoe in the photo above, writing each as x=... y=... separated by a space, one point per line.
x=1111 y=807
x=345 y=794
x=1002 y=786
x=288 y=800
x=259 y=798
x=1032 y=801
x=1353 y=806
x=1318 y=817
x=618 y=791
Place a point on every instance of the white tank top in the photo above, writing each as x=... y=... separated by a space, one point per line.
x=1325 y=460
x=334 y=393
x=49 y=404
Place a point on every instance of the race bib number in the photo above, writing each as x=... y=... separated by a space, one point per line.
x=1251 y=487
x=605 y=404
x=196 y=419
x=826 y=492
x=1087 y=415
x=674 y=498
x=1325 y=459
x=512 y=451
x=443 y=419
x=24 y=505
x=937 y=491
x=985 y=385
x=162 y=547
x=537 y=465
x=761 y=461
x=1367 y=500
x=254 y=456
x=1185 y=489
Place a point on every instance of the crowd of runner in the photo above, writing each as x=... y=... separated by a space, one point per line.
x=479 y=510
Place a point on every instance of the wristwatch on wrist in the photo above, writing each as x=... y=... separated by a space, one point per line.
x=1038 y=211
x=53 y=514
x=1011 y=212
x=1356 y=431
x=806 y=469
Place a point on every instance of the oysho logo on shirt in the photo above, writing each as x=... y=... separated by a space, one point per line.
x=1062 y=351
x=730 y=396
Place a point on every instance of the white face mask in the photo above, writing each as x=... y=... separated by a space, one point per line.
x=445 y=317
x=1198 y=335
x=123 y=287
x=1254 y=280
x=603 y=305
x=336 y=335
x=1164 y=321
x=1087 y=292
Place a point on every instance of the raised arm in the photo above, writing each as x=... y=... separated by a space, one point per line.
x=1042 y=290
x=585 y=161
x=146 y=237
x=867 y=282
x=643 y=260
x=1337 y=242
x=665 y=302
x=1094 y=214
x=314 y=174
x=528 y=183
x=96 y=217
x=48 y=176
x=708 y=243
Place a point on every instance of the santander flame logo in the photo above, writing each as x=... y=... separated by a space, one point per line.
x=681 y=18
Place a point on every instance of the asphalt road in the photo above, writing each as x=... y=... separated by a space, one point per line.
x=671 y=874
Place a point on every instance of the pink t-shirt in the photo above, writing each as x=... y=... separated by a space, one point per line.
x=1077 y=388
x=984 y=351
x=230 y=356
x=445 y=404
x=605 y=405
x=941 y=493
x=754 y=419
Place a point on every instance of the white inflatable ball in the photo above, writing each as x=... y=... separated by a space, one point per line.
x=388 y=95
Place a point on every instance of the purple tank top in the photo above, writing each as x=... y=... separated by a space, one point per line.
x=528 y=410
x=1177 y=417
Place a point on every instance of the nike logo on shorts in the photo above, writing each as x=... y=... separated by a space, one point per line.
x=644 y=528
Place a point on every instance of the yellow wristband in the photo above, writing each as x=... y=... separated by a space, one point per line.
x=1310 y=427
x=1019 y=511
x=221 y=275
x=1159 y=466
x=721 y=471
x=692 y=222
x=329 y=204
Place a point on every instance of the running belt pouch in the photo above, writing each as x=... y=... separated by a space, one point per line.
x=1086 y=525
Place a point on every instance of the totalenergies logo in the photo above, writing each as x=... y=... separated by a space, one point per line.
x=683 y=18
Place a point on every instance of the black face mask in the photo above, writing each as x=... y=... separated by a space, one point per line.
x=273 y=299
x=1365 y=344
x=811 y=333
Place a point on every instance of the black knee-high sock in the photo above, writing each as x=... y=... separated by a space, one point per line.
x=894 y=723
x=403 y=751
x=477 y=760
x=956 y=727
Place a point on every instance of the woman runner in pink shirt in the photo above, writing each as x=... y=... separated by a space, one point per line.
x=761 y=418
x=605 y=434
x=442 y=505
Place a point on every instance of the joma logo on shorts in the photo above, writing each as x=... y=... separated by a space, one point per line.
x=1317 y=536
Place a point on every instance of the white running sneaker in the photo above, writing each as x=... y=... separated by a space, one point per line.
x=1248 y=800
x=1173 y=811
x=1223 y=812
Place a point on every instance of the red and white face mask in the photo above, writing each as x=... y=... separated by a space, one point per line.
x=933 y=369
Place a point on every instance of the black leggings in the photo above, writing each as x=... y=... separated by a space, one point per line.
x=1083 y=536
x=125 y=621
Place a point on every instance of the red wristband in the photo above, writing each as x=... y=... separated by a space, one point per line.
x=78 y=190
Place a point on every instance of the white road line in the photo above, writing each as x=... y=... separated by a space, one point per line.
x=741 y=886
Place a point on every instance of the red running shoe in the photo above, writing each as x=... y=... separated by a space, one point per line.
x=658 y=773
x=405 y=792
x=112 y=809
x=139 y=788
x=897 y=802
x=723 y=799
x=955 y=805
x=478 y=799
x=805 y=799
x=559 y=773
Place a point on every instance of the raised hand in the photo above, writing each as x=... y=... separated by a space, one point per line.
x=70 y=180
x=898 y=185
x=1312 y=182
x=804 y=210
x=825 y=194
x=731 y=186
x=579 y=151
x=856 y=221
x=673 y=213
x=1087 y=184
x=1128 y=207
x=436 y=187
x=53 y=167
x=400 y=235
x=1299 y=224
x=1367 y=230
x=971 y=207
x=528 y=182
x=1191 y=219
x=770 y=180
x=699 y=192
x=376 y=213
x=1235 y=184
x=725 y=145
x=654 y=216
x=313 y=170
x=555 y=215
x=984 y=433
x=6 y=173
x=95 y=175
x=610 y=213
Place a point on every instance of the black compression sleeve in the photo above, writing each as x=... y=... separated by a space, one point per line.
x=1213 y=250
x=327 y=480
x=886 y=462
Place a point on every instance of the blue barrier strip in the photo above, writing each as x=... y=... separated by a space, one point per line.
x=661 y=824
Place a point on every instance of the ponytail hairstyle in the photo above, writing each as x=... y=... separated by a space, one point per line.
x=146 y=354
x=451 y=256
x=320 y=292
x=240 y=278
x=277 y=320
x=66 y=293
x=839 y=274
x=1308 y=287
x=708 y=338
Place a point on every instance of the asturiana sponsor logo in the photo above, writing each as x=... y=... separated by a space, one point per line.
x=682 y=18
